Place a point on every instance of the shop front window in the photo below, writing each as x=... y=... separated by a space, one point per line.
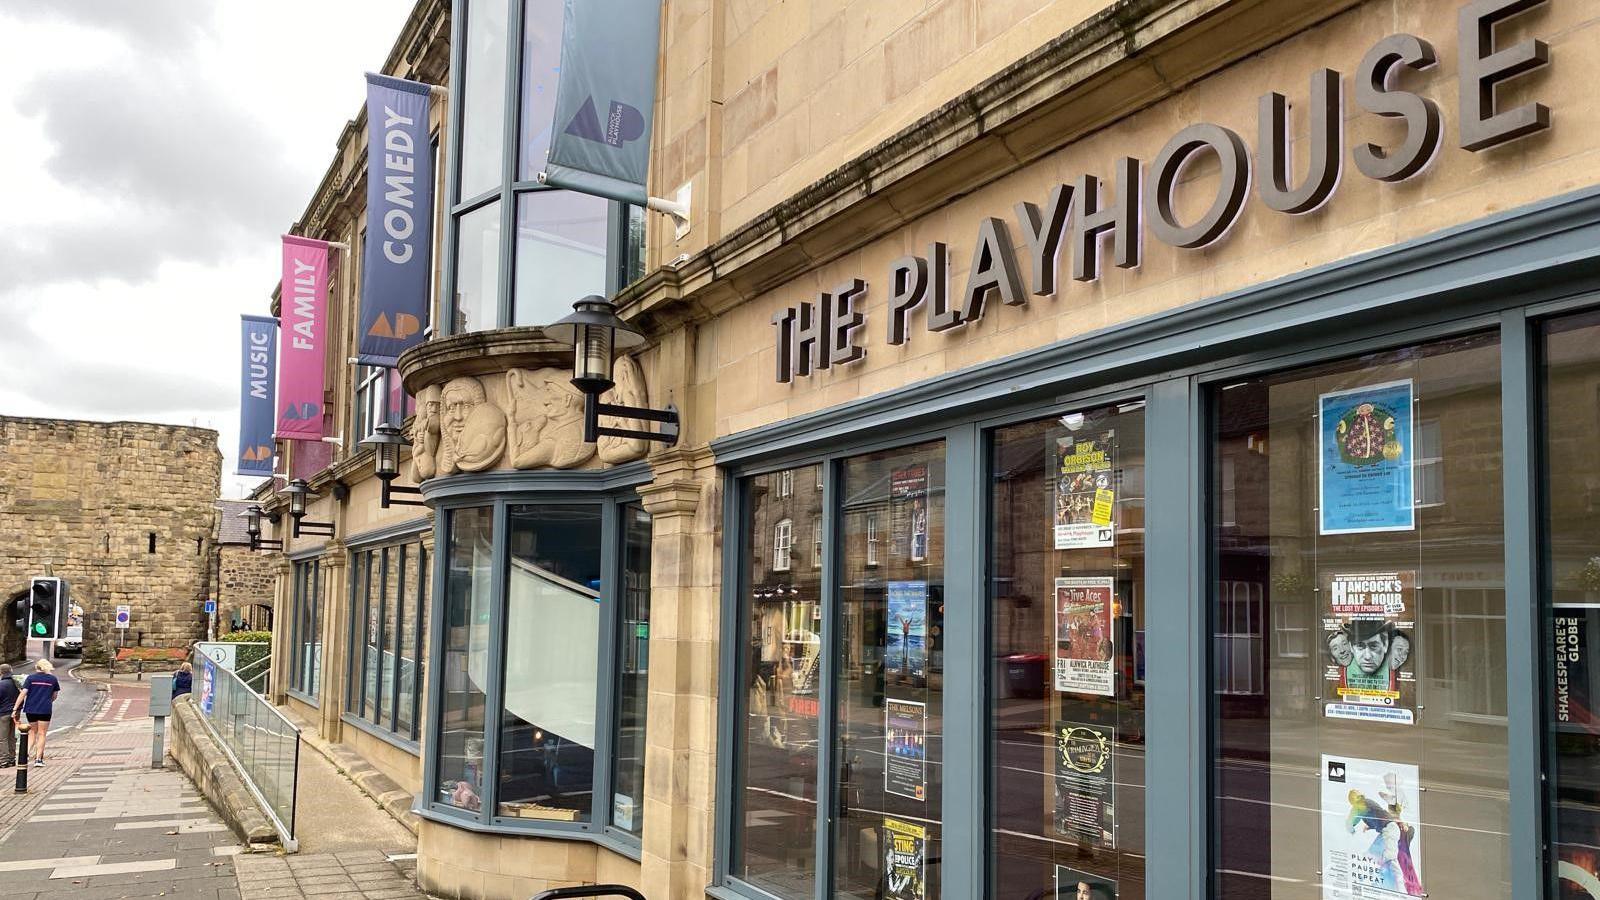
x=483 y=108
x=888 y=754
x=1571 y=432
x=390 y=599
x=468 y=560
x=1067 y=614
x=1361 y=500
x=305 y=646
x=552 y=645
x=544 y=665
x=778 y=730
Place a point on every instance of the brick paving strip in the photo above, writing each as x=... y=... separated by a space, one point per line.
x=99 y=824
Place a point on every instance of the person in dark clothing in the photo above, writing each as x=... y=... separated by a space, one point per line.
x=38 y=702
x=183 y=681
x=9 y=691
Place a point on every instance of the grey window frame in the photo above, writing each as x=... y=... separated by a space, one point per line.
x=1502 y=273
x=611 y=490
x=618 y=251
x=416 y=575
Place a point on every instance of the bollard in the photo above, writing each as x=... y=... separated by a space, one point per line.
x=160 y=708
x=22 y=757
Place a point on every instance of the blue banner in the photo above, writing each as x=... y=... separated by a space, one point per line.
x=258 y=382
x=397 y=262
x=605 y=104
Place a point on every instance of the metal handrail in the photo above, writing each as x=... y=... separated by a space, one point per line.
x=592 y=890
x=285 y=829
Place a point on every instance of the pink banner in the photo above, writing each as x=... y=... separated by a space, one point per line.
x=302 y=336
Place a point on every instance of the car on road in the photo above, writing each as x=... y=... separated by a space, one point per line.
x=71 y=642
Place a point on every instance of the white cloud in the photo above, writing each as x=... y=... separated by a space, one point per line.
x=152 y=154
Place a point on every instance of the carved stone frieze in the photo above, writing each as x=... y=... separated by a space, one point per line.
x=473 y=430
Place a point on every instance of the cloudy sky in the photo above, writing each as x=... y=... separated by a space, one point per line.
x=151 y=152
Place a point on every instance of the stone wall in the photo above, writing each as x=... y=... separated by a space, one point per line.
x=122 y=511
x=244 y=579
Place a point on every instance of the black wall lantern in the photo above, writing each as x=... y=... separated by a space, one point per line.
x=596 y=333
x=386 y=441
x=299 y=492
x=252 y=527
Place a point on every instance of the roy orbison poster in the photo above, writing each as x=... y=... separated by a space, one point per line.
x=1369 y=635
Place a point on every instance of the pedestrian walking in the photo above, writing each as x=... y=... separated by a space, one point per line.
x=183 y=682
x=9 y=692
x=37 y=702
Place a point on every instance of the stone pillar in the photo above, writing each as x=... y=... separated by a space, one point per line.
x=335 y=632
x=282 y=618
x=680 y=736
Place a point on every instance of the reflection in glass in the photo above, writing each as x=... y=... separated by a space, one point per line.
x=888 y=752
x=776 y=760
x=306 y=651
x=468 y=589
x=1359 y=627
x=1067 y=619
x=478 y=269
x=483 y=97
x=541 y=67
x=1571 y=433
x=413 y=623
x=633 y=672
x=552 y=644
x=386 y=614
x=561 y=253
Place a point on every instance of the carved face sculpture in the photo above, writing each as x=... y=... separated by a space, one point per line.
x=473 y=430
x=460 y=398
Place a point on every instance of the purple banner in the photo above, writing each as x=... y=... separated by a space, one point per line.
x=302 y=348
x=397 y=262
x=257 y=396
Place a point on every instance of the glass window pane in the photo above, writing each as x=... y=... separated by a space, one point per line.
x=552 y=649
x=478 y=270
x=1066 y=612
x=468 y=590
x=561 y=253
x=1572 y=562
x=372 y=610
x=633 y=671
x=541 y=67
x=1375 y=764
x=775 y=849
x=483 y=97
x=888 y=751
x=411 y=613
x=387 y=629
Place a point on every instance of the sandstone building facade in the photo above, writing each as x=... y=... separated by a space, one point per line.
x=122 y=511
x=1180 y=318
x=243 y=582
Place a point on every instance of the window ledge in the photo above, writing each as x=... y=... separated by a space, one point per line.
x=305 y=698
x=598 y=838
x=381 y=733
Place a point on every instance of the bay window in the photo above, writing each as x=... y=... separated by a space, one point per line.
x=542 y=663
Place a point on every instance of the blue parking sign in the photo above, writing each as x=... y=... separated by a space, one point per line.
x=211 y=606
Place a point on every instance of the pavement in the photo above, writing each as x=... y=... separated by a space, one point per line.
x=98 y=823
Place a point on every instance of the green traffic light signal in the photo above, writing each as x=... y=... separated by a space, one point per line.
x=39 y=628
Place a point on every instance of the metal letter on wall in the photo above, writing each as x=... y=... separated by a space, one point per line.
x=994 y=268
x=844 y=323
x=1276 y=151
x=1483 y=69
x=1044 y=231
x=1421 y=115
x=1090 y=222
x=908 y=279
x=1233 y=161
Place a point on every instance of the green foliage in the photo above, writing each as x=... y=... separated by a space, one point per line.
x=248 y=637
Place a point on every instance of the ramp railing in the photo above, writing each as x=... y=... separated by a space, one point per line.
x=262 y=743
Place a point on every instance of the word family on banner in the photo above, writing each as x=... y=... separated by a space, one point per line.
x=302 y=348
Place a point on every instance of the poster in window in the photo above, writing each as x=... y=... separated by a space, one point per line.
x=905 y=748
x=1365 y=450
x=1085 y=781
x=905 y=853
x=1085 y=499
x=905 y=656
x=1371 y=830
x=1573 y=676
x=1085 y=655
x=1369 y=634
x=908 y=494
x=1072 y=884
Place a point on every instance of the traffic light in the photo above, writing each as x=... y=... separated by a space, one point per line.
x=17 y=612
x=45 y=603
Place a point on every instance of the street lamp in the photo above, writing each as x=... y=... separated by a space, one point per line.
x=595 y=333
x=299 y=492
x=252 y=527
x=386 y=441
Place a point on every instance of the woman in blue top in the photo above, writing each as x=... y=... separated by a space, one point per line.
x=183 y=682
x=37 y=701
